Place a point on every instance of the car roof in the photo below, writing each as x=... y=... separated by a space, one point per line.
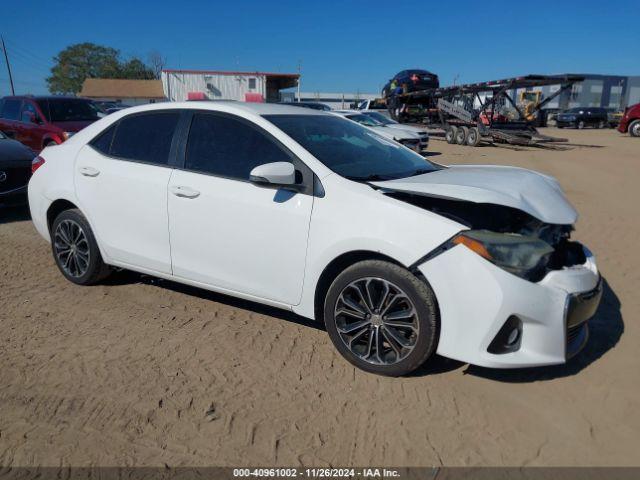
x=229 y=106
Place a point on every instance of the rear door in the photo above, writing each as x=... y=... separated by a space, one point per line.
x=227 y=232
x=121 y=180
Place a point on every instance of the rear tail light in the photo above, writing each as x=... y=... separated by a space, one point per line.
x=36 y=163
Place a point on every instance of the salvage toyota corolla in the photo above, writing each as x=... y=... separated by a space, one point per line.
x=397 y=256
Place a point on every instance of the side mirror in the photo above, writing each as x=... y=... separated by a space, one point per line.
x=275 y=175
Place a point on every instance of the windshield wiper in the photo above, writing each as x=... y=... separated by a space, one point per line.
x=421 y=171
x=369 y=178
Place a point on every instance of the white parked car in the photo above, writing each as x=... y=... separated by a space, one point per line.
x=409 y=139
x=390 y=123
x=300 y=209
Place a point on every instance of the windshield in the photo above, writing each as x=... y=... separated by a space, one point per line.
x=380 y=118
x=364 y=120
x=70 y=110
x=351 y=150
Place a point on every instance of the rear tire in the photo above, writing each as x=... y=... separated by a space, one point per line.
x=461 y=135
x=450 y=135
x=634 y=128
x=580 y=125
x=381 y=318
x=75 y=250
x=473 y=137
x=602 y=124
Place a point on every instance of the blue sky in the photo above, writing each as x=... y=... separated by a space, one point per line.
x=342 y=46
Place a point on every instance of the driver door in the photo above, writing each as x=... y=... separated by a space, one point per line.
x=227 y=232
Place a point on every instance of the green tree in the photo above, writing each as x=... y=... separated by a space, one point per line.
x=136 y=69
x=78 y=62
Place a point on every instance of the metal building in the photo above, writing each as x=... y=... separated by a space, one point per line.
x=608 y=91
x=181 y=85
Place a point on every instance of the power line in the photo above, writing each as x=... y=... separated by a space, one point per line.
x=26 y=52
x=31 y=84
x=27 y=57
x=40 y=69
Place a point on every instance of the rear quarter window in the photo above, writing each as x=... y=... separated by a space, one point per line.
x=102 y=142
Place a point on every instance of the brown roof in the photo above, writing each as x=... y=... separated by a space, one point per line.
x=118 y=88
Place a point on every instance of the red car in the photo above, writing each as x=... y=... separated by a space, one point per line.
x=39 y=122
x=630 y=121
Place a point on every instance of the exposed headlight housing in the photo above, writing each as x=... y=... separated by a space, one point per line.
x=521 y=255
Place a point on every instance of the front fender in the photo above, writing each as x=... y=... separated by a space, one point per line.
x=359 y=218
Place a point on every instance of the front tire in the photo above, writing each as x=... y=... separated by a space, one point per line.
x=381 y=318
x=581 y=125
x=634 y=128
x=75 y=250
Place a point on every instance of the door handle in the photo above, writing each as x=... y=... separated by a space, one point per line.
x=184 y=192
x=89 y=171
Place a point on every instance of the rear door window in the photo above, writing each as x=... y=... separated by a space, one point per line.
x=145 y=137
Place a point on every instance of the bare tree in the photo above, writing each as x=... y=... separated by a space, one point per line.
x=157 y=63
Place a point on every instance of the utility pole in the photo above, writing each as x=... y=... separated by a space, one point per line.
x=299 y=76
x=6 y=58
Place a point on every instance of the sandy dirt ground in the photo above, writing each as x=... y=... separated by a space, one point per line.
x=146 y=372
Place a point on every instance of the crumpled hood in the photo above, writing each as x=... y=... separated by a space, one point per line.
x=534 y=193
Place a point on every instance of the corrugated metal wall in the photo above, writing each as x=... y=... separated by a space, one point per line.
x=177 y=85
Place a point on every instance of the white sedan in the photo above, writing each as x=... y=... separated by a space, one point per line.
x=390 y=123
x=397 y=256
x=409 y=139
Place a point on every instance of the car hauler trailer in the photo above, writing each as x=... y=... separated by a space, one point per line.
x=468 y=113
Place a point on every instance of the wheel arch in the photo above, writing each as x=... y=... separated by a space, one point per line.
x=56 y=208
x=50 y=137
x=333 y=269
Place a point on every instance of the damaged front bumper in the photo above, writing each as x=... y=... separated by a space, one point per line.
x=477 y=299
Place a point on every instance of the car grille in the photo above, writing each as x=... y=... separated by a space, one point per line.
x=13 y=178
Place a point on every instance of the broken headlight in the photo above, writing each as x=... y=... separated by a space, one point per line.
x=523 y=256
